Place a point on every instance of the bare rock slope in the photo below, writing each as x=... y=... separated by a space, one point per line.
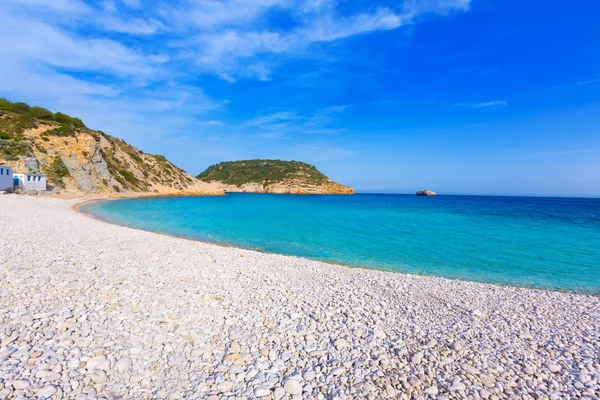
x=79 y=160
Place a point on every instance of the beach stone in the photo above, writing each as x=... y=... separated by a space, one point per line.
x=261 y=391
x=159 y=339
x=340 y=344
x=21 y=384
x=432 y=390
x=379 y=334
x=279 y=393
x=98 y=376
x=456 y=346
x=554 y=368
x=123 y=365
x=47 y=391
x=292 y=386
x=225 y=386
x=309 y=375
x=95 y=362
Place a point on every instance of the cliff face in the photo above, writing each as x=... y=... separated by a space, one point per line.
x=83 y=161
x=271 y=176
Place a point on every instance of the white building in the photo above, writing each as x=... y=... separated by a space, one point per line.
x=30 y=181
x=6 y=178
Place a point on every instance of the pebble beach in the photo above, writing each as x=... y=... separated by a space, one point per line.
x=90 y=310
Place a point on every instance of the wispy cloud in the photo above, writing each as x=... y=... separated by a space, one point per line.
x=141 y=69
x=318 y=122
x=487 y=104
x=589 y=82
x=274 y=118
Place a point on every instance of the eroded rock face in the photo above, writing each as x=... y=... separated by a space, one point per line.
x=426 y=192
x=328 y=188
x=89 y=161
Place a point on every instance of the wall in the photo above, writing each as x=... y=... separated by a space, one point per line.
x=32 y=181
x=6 y=178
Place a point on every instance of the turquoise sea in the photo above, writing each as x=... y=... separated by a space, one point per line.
x=536 y=242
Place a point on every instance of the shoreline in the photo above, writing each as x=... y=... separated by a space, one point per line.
x=77 y=208
x=95 y=309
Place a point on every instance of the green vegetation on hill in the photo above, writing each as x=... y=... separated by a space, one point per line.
x=31 y=113
x=38 y=140
x=263 y=172
x=16 y=117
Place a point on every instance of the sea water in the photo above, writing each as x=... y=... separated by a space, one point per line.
x=549 y=243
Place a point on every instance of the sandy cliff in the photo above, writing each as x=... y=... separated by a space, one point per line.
x=84 y=161
x=287 y=188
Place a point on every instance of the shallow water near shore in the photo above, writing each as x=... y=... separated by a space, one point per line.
x=551 y=243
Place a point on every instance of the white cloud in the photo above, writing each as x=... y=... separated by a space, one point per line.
x=271 y=119
x=132 y=3
x=63 y=6
x=34 y=43
x=417 y=7
x=494 y=103
x=588 y=82
x=277 y=125
x=116 y=63
x=487 y=104
x=130 y=25
x=226 y=52
x=109 y=6
x=210 y=14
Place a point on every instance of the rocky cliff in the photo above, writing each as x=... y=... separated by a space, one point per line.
x=271 y=176
x=78 y=160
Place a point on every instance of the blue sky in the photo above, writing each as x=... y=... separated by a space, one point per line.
x=460 y=96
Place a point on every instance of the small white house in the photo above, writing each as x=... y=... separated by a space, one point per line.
x=30 y=181
x=6 y=178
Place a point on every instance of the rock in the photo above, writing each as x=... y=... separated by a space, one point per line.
x=94 y=362
x=416 y=359
x=232 y=357
x=279 y=393
x=292 y=386
x=390 y=391
x=98 y=376
x=225 y=386
x=21 y=384
x=123 y=365
x=433 y=390
x=379 y=334
x=340 y=344
x=426 y=192
x=488 y=380
x=261 y=391
x=309 y=375
x=554 y=368
x=476 y=313
x=456 y=346
x=46 y=391
x=159 y=339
